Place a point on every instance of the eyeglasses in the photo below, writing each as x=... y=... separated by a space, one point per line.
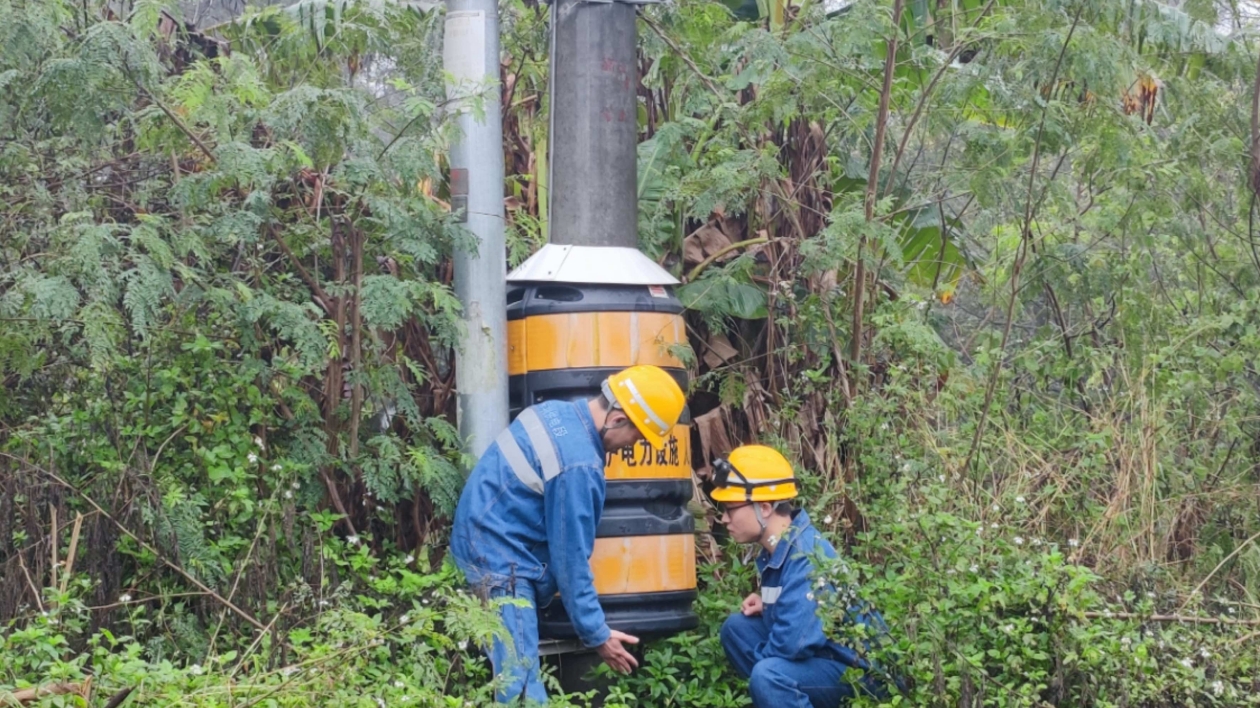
x=726 y=509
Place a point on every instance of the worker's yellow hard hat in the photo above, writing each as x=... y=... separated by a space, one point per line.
x=650 y=398
x=753 y=473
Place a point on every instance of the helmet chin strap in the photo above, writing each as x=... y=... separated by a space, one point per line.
x=773 y=540
x=612 y=406
x=606 y=427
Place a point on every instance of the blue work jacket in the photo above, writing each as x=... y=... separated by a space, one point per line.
x=529 y=510
x=790 y=592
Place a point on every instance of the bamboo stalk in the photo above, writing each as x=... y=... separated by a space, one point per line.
x=54 y=541
x=872 y=184
x=30 y=695
x=73 y=551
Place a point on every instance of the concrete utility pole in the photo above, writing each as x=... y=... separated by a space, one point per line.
x=471 y=56
x=594 y=124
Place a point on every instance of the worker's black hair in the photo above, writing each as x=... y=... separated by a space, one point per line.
x=604 y=404
x=784 y=508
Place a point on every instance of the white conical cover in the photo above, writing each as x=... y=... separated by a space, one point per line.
x=602 y=265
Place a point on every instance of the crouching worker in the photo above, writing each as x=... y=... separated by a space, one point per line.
x=525 y=524
x=776 y=640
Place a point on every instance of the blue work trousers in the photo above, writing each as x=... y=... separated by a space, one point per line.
x=775 y=682
x=516 y=661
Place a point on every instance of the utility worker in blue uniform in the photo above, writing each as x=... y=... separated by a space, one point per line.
x=525 y=524
x=776 y=640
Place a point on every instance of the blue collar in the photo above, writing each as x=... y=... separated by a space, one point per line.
x=800 y=522
x=584 y=414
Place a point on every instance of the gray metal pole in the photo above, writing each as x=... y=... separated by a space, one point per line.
x=594 y=124
x=471 y=56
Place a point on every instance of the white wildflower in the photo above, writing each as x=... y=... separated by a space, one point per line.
x=276 y=468
x=323 y=603
x=253 y=459
x=1037 y=542
x=905 y=467
x=1019 y=540
x=288 y=494
x=996 y=507
x=195 y=669
x=425 y=601
x=1108 y=614
x=809 y=596
x=1205 y=653
x=463 y=644
x=1231 y=610
x=1218 y=688
x=1019 y=500
x=352 y=539
x=993 y=525
x=883 y=426
x=404 y=619
x=1187 y=662
x=974 y=568
x=258 y=441
x=942 y=478
x=827 y=520
x=399 y=684
x=1150 y=595
x=409 y=559
x=295 y=485
x=124 y=598
x=1009 y=628
x=380 y=702
x=1125 y=642
x=1073 y=542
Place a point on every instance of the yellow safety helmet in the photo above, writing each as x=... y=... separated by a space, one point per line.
x=753 y=473
x=649 y=397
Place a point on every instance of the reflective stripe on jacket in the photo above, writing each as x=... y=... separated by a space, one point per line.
x=530 y=508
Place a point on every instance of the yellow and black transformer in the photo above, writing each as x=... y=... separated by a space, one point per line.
x=575 y=316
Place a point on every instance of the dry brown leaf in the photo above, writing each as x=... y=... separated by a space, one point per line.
x=718 y=350
x=715 y=440
x=755 y=398
x=704 y=242
x=733 y=226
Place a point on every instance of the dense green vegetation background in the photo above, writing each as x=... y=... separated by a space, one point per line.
x=988 y=271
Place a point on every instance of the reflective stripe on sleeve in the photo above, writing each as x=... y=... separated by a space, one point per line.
x=516 y=460
x=543 y=447
x=770 y=596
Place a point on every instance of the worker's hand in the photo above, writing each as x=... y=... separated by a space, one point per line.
x=617 y=657
x=752 y=605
